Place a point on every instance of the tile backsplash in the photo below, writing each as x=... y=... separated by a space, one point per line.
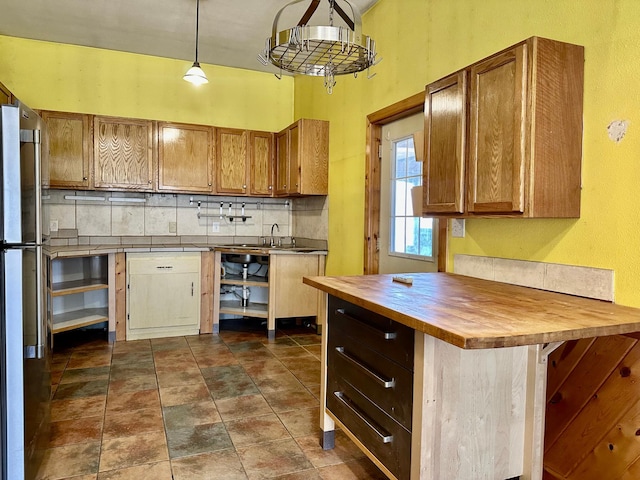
x=145 y=215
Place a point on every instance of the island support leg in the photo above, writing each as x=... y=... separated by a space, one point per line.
x=327 y=425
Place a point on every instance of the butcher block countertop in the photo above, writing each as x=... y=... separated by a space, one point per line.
x=472 y=313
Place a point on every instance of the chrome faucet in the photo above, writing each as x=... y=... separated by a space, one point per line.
x=272 y=244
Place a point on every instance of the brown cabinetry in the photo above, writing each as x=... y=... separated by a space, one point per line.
x=524 y=131
x=69 y=145
x=5 y=95
x=185 y=158
x=261 y=163
x=123 y=154
x=302 y=158
x=232 y=162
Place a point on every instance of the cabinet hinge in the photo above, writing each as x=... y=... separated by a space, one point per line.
x=127 y=316
x=128 y=286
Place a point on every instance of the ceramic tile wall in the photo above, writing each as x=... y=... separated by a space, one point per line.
x=581 y=281
x=171 y=216
x=311 y=218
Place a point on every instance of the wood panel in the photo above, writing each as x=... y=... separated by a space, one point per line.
x=287 y=284
x=476 y=313
x=564 y=361
x=443 y=171
x=123 y=154
x=206 y=292
x=185 y=158
x=294 y=160
x=231 y=161
x=261 y=163
x=282 y=163
x=498 y=123
x=5 y=95
x=121 y=296
x=69 y=143
x=582 y=441
x=313 y=163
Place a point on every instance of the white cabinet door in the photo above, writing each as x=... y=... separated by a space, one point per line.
x=163 y=295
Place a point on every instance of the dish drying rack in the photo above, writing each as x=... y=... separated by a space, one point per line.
x=229 y=208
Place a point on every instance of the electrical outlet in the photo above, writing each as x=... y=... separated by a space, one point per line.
x=215 y=227
x=457 y=227
x=53 y=225
x=173 y=227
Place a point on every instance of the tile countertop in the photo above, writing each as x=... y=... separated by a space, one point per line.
x=83 y=250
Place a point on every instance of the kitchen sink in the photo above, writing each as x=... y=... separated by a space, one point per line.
x=238 y=258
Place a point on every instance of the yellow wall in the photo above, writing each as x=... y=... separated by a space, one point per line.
x=78 y=79
x=421 y=41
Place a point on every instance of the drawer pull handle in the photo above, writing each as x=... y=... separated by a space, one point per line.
x=165 y=267
x=382 y=381
x=368 y=328
x=346 y=401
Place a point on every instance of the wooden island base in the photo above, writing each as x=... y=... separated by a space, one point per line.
x=447 y=378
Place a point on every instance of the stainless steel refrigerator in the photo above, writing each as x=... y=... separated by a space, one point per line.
x=25 y=336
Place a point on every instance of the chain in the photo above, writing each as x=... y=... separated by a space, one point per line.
x=331 y=2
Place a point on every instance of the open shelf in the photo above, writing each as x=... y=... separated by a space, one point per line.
x=79 y=318
x=233 y=307
x=78 y=286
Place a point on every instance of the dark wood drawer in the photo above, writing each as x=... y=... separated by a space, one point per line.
x=384 y=382
x=391 y=339
x=389 y=441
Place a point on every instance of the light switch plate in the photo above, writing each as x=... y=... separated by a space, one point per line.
x=215 y=227
x=173 y=227
x=457 y=227
x=53 y=225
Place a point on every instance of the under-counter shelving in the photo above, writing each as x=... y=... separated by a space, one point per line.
x=79 y=292
x=255 y=284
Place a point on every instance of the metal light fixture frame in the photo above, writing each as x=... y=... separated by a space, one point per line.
x=321 y=50
x=195 y=74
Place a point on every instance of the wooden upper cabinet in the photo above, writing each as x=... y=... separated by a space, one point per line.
x=261 y=163
x=443 y=169
x=185 y=157
x=123 y=154
x=232 y=162
x=498 y=133
x=69 y=145
x=524 y=131
x=302 y=158
x=5 y=95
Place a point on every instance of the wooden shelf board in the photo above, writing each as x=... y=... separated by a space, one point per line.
x=251 y=281
x=232 y=307
x=78 y=286
x=79 y=318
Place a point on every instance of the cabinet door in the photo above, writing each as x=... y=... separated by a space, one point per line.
x=444 y=164
x=310 y=142
x=286 y=272
x=231 y=161
x=261 y=164
x=123 y=153
x=5 y=95
x=497 y=133
x=282 y=163
x=69 y=145
x=185 y=158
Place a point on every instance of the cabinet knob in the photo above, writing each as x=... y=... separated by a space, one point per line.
x=284 y=186
x=244 y=187
x=270 y=187
x=149 y=182
x=296 y=184
x=209 y=184
x=84 y=178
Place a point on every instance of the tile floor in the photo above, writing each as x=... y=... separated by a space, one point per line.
x=233 y=406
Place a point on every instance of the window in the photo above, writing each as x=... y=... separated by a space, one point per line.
x=411 y=236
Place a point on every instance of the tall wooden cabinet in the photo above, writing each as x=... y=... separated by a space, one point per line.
x=185 y=157
x=70 y=150
x=232 y=161
x=123 y=154
x=302 y=158
x=517 y=150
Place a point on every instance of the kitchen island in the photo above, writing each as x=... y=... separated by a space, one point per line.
x=446 y=378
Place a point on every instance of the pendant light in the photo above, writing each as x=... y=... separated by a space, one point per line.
x=325 y=50
x=195 y=74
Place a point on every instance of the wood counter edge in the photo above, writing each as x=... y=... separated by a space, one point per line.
x=476 y=342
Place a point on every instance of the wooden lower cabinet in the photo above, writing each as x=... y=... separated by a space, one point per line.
x=163 y=295
x=5 y=95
